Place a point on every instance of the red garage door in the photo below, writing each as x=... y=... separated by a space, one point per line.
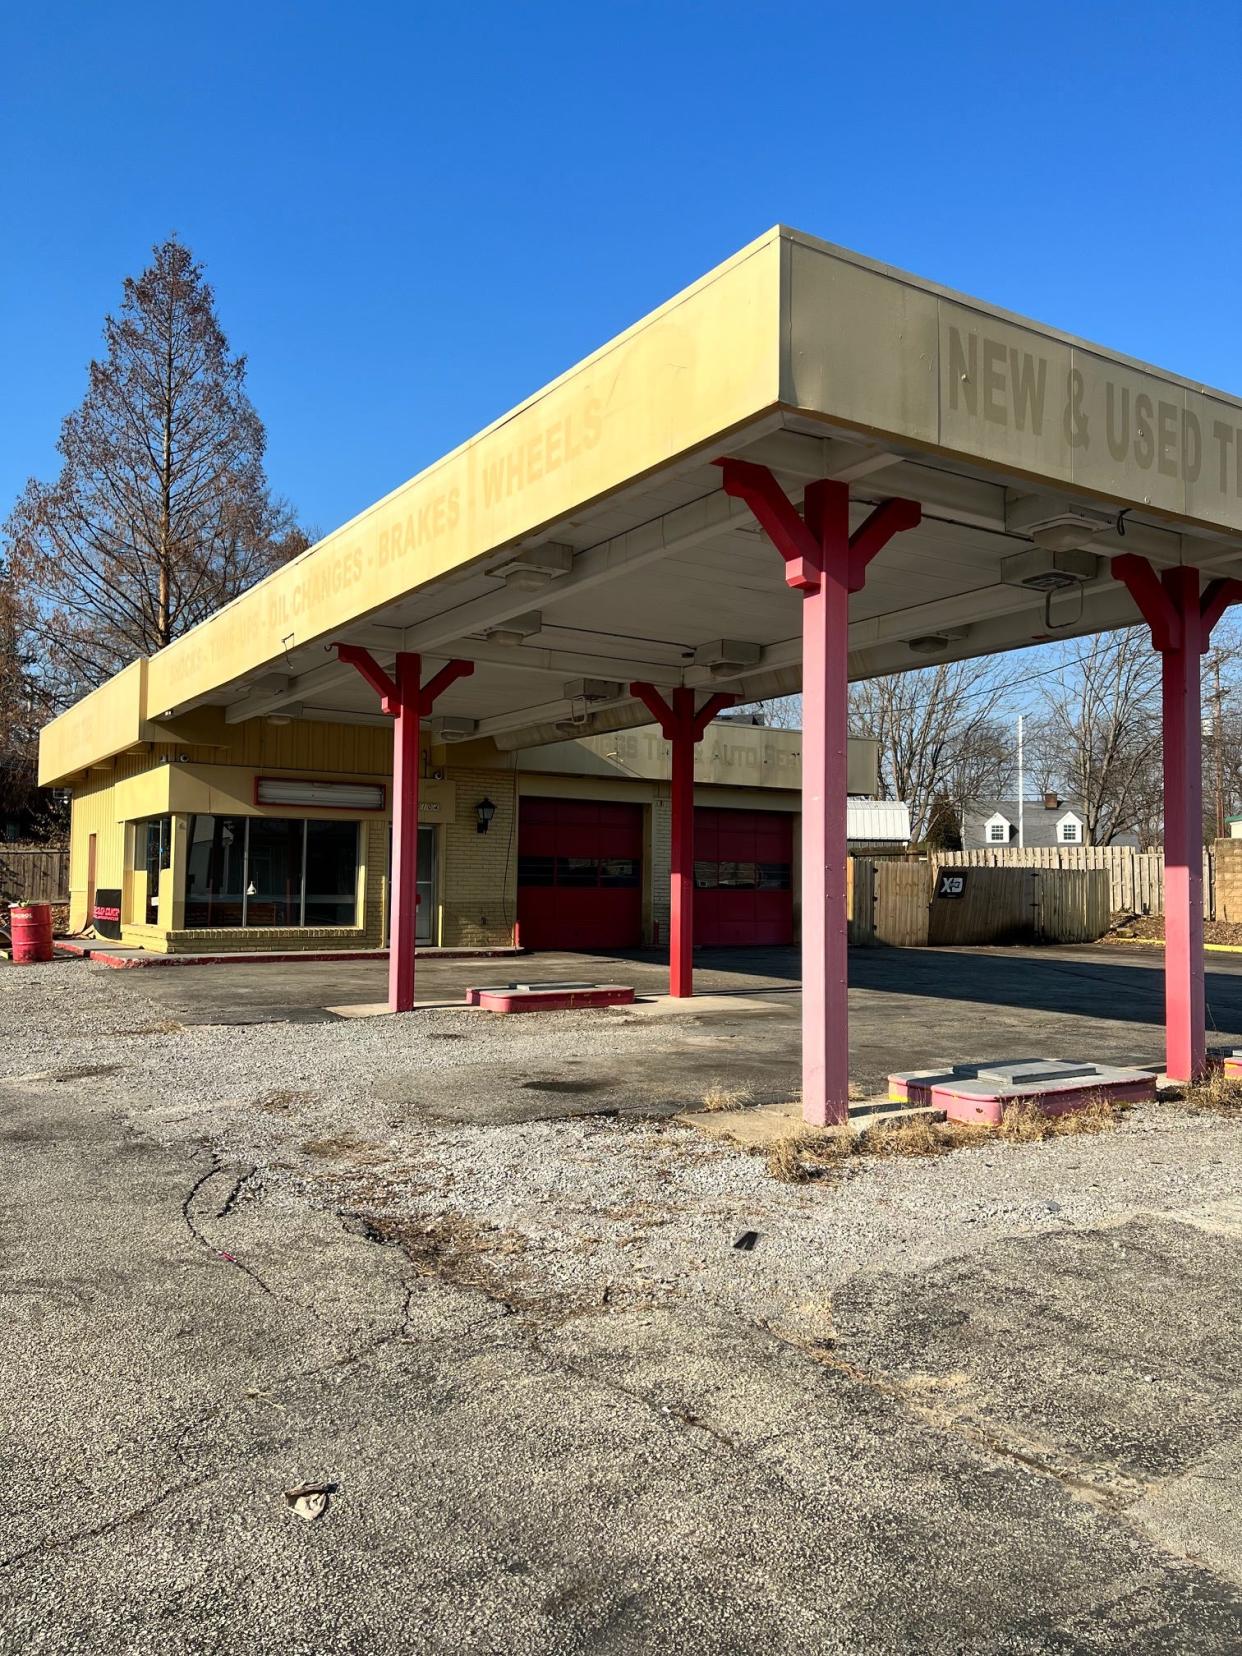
x=580 y=874
x=743 y=877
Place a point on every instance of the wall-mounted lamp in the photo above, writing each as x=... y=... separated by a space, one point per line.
x=484 y=811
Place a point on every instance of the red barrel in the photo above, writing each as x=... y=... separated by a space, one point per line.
x=31 y=927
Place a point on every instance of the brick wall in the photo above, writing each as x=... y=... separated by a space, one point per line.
x=1228 y=861
x=657 y=873
x=478 y=885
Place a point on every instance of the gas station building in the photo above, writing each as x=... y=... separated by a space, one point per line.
x=806 y=468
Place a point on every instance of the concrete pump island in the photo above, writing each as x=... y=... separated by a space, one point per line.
x=806 y=468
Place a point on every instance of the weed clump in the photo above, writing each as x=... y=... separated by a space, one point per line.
x=1216 y=1094
x=720 y=1097
x=813 y=1155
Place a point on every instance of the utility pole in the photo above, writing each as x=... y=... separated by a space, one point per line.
x=1021 y=787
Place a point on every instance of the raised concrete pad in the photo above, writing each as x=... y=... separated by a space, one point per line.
x=764 y=1125
x=1227 y=1059
x=727 y=1004
x=548 y=997
x=980 y=1093
x=381 y=1009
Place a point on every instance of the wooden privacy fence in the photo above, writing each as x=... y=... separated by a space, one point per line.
x=33 y=875
x=1136 y=878
x=900 y=903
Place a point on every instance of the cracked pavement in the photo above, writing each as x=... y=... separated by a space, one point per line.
x=990 y=1403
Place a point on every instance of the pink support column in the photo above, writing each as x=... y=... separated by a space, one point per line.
x=825 y=562
x=402 y=907
x=825 y=921
x=409 y=702
x=683 y=728
x=1181 y=623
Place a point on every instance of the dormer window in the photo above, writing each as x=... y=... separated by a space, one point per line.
x=1069 y=829
x=996 y=829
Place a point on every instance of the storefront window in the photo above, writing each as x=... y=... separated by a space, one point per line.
x=274 y=872
x=332 y=873
x=270 y=871
x=215 y=883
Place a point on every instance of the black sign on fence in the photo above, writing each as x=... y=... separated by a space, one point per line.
x=951 y=884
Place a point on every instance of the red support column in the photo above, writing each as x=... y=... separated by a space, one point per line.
x=825 y=562
x=1181 y=623
x=409 y=703
x=683 y=728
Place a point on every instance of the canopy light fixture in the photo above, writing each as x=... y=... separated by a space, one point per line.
x=932 y=643
x=484 y=811
x=1044 y=569
x=329 y=796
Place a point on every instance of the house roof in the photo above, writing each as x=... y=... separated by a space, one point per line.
x=877 y=822
x=980 y=810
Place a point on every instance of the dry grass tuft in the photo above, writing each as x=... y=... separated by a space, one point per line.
x=916 y=1136
x=1025 y=1123
x=720 y=1097
x=810 y=1155
x=813 y=1155
x=1217 y=1093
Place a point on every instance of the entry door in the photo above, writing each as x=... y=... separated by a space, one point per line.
x=424 y=885
x=425 y=921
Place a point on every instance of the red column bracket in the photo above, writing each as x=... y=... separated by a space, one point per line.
x=1216 y=599
x=777 y=517
x=1154 y=603
x=440 y=682
x=385 y=688
x=656 y=705
x=713 y=705
x=681 y=716
x=891 y=517
x=805 y=543
x=355 y=656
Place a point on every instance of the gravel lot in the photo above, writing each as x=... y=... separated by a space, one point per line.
x=598 y=1248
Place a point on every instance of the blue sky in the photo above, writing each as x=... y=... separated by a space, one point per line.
x=414 y=215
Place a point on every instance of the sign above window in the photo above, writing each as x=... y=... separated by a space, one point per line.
x=324 y=796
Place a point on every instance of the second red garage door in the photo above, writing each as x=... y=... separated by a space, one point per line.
x=743 y=877
x=580 y=874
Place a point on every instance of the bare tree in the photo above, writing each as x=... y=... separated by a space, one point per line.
x=1099 y=735
x=162 y=511
x=24 y=708
x=943 y=732
x=779 y=712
